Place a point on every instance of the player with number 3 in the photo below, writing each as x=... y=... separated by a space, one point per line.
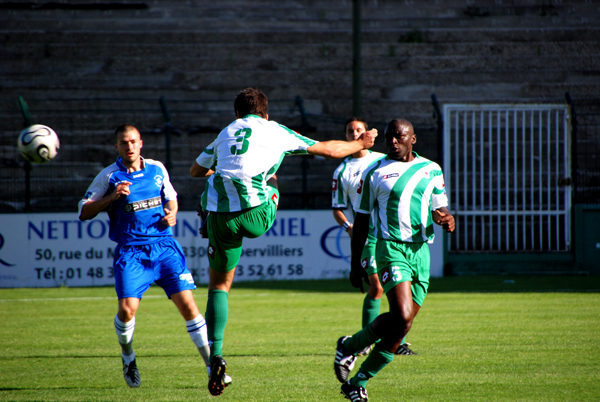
x=241 y=198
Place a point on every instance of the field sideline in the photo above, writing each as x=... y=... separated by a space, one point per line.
x=479 y=338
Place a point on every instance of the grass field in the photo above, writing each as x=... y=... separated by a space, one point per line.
x=479 y=338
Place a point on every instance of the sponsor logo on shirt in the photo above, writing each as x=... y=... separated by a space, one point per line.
x=389 y=176
x=364 y=263
x=135 y=176
x=359 y=189
x=142 y=204
x=211 y=251
x=356 y=174
x=158 y=179
x=334 y=186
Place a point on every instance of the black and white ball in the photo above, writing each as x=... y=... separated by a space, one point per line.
x=38 y=143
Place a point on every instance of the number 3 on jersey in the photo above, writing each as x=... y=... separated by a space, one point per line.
x=242 y=136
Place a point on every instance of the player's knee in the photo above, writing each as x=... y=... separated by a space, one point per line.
x=126 y=314
x=399 y=329
x=127 y=309
x=401 y=322
x=375 y=291
x=190 y=309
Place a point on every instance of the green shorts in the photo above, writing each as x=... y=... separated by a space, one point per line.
x=400 y=262
x=367 y=258
x=226 y=230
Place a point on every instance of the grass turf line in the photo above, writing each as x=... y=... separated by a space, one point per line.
x=478 y=338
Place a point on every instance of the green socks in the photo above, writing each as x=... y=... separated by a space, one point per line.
x=361 y=340
x=370 y=310
x=375 y=362
x=217 y=312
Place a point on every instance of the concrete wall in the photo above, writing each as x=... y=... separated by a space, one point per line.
x=463 y=51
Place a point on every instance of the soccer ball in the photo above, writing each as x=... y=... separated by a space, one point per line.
x=38 y=143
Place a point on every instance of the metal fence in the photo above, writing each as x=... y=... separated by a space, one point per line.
x=508 y=174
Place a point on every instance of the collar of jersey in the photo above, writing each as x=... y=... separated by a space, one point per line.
x=413 y=152
x=123 y=168
x=252 y=115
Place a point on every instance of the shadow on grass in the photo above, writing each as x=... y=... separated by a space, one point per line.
x=463 y=283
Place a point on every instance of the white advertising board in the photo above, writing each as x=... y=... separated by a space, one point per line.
x=49 y=250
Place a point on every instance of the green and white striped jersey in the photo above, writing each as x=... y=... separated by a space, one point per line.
x=346 y=179
x=244 y=156
x=403 y=194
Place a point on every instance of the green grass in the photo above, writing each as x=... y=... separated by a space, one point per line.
x=479 y=338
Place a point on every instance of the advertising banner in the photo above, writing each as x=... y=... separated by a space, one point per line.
x=50 y=250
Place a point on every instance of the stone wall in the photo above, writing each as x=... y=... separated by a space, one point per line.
x=463 y=51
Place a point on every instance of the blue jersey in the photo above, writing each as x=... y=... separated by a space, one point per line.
x=135 y=218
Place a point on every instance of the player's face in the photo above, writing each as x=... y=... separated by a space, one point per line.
x=399 y=142
x=354 y=129
x=129 y=146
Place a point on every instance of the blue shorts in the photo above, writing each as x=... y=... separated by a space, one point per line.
x=137 y=267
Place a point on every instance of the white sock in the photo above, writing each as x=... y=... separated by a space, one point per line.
x=124 y=332
x=197 y=330
x=128 y=359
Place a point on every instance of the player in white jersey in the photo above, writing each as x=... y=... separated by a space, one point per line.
x=346 y=177
x=407 y=193
x=241 y=197
x=346 y=180
x=142 y=207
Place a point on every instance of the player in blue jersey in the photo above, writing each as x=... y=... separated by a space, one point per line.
x=406 y=192
x=142 y=207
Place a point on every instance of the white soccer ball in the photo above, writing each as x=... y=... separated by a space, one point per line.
x=38 y=143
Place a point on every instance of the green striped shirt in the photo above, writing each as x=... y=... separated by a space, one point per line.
x=402 y=194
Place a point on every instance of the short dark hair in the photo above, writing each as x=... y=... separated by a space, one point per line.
x=122 y=129
x=402 y=123
x=359 y=119
x=251 y=101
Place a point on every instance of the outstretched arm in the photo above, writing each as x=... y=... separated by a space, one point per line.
x=335 y=149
